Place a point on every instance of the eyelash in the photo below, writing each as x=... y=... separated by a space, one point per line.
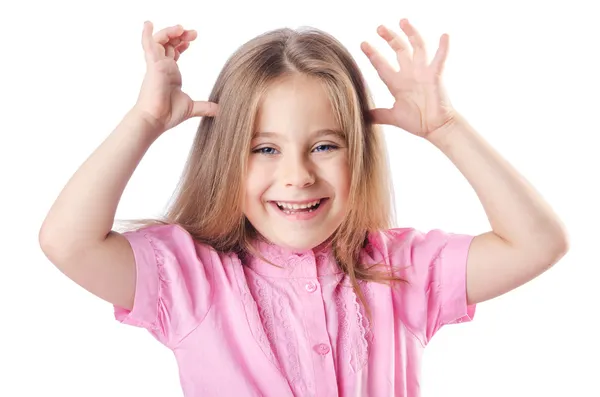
x=329 y=146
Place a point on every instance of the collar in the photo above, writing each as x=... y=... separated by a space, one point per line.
x=289 y=263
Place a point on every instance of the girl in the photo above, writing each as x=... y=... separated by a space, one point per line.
x=276 y=271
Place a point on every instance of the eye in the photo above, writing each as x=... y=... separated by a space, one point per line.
x=265 y=150
x=325 y=148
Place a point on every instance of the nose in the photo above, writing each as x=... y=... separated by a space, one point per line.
x=297 y=171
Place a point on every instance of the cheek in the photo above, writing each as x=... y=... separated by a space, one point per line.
x=257 y=179
x=339 y=176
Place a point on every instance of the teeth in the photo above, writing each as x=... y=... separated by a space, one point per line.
x=291 y=206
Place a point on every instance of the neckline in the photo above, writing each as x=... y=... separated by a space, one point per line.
x=290 y=263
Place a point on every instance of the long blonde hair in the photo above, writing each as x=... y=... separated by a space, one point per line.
x=208 y=202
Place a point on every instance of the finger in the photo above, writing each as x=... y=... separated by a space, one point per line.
x=150 y=50
x=416 y=41
x=180 y=49
x=170 y=51
x=382 y=66
x=397 y=44
x=163 y=36
x=188 y=35
x=439 y=60
x=205 y=108
x=382 y=116
x=174 y=42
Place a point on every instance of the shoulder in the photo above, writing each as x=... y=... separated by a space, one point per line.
x=175 y=278
x=409 y=244
x=433 y=264
x=170 y=237
x=172 y=245
x=161 y=231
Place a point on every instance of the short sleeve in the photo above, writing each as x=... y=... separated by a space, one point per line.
x=434 y=266
x=173 y=282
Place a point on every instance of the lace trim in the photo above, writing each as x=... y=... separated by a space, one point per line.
x=368 y=292
x=162 y=280
x=286 y=355
x=344 y=326
x=252 y=315
x=355 y=340
x=293 y=367
x=265 y=311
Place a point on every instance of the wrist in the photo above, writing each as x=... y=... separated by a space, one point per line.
x=442 y=136
x=135 y=129
x=141 y=122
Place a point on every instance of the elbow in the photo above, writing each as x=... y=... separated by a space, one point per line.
x=47 y=241
x=545 y=247
x=555 y=246
x=55 y=246
x=562 y=247
x=44 y=239
x=561 y=241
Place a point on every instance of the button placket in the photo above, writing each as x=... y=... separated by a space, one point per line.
x=310 y=286
x=322 y=349
x=316 y=330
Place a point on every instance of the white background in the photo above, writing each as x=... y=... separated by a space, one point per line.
x=525 y=74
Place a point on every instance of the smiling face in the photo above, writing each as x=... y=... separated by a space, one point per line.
x=298 y=178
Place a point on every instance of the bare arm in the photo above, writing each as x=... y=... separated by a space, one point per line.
x=526 y=238
x=76 y=235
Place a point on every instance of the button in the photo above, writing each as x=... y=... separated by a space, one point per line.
x=311 y=286
x=322 y=349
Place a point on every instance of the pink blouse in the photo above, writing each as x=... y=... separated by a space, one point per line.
x=254 y=329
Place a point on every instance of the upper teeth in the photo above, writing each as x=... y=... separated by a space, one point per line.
x=297 y=206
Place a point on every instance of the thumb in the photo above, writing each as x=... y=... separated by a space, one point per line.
x=382 y=116
x=204 y=108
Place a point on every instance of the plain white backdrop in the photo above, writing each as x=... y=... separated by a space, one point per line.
x=525 y=74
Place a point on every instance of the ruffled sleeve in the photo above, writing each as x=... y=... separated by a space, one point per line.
x=434 y=265
x=173 y=282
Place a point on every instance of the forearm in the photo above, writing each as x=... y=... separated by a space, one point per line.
x=84 y=211
x=517 y=213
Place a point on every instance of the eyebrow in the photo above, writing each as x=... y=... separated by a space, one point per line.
x=315 y=134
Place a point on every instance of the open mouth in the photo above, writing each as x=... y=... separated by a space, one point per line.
x=289 y=208
x=295 y=208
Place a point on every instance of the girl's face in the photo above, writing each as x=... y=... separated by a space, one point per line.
x=298 y=176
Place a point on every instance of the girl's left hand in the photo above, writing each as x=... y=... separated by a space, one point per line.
x=422 y=105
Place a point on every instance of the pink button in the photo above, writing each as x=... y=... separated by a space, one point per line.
x=322 y=349
x=310 y=286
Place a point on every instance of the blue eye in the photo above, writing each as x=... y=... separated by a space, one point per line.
x=271 y=151
x=265 y=150
x=325 y=148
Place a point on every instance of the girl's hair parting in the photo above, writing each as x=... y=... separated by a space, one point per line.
x=209 y=197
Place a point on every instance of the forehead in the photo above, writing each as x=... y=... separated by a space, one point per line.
x=298 y=103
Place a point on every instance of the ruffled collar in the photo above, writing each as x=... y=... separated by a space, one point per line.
x=289 y=263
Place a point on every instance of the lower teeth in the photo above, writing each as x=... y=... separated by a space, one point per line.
x=298 y=211
x=295 y=212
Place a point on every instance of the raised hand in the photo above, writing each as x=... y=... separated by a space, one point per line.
x=161 y=99
x=421 y=105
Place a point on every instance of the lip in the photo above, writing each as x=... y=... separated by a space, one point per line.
x=301 y=216
x=298 y=201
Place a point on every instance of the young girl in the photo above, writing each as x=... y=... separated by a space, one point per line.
x=276 y=271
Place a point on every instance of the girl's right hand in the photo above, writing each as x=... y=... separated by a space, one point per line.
x=161 y=100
